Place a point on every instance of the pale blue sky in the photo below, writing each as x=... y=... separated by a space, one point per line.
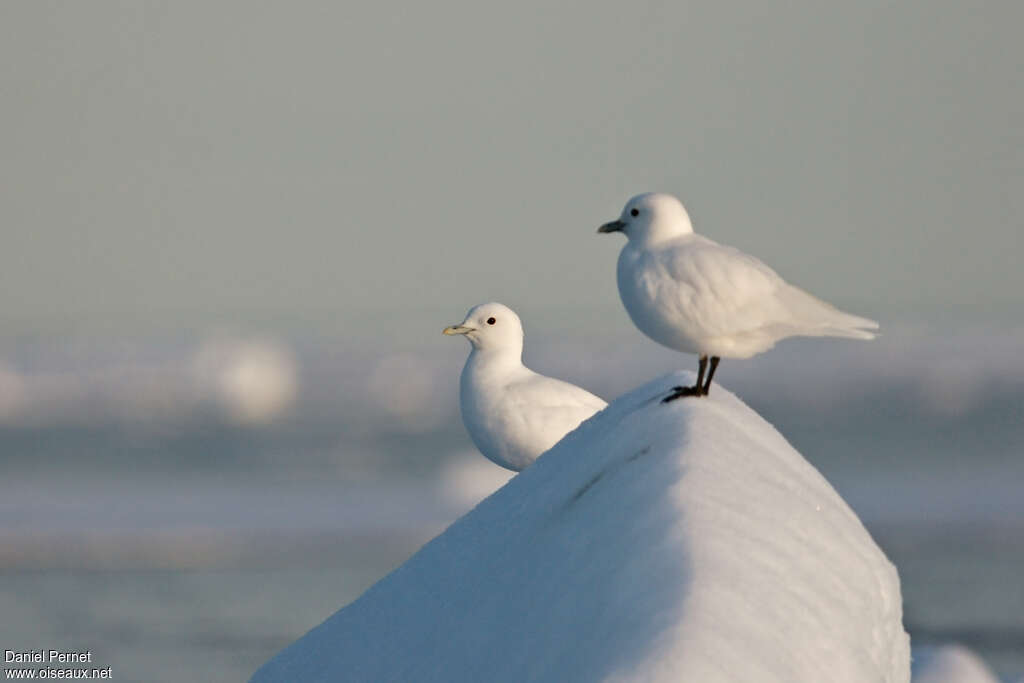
x=309 y=162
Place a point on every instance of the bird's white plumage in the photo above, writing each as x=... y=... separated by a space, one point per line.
x=692 y=294
x=512 y=413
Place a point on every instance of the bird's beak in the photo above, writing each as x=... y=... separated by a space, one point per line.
x=614 y=226
x=457 y=329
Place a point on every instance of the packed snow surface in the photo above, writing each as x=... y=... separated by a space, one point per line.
x=657 y=542
x=950 y=664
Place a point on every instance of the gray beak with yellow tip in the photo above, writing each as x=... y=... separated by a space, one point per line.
x=457 y=329
x=614 y=226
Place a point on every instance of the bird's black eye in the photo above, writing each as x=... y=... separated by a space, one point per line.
x=491 y=321
x=634 y=212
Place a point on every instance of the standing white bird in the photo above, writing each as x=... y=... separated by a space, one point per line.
x=512 y=414
x=694 y=295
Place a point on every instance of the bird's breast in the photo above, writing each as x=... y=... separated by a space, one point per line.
x=495 y=422
x=660 y=306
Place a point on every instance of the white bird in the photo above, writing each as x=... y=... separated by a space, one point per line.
x=512 y=413
x=694 y=295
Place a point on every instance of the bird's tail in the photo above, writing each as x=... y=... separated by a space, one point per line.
x=816 y=318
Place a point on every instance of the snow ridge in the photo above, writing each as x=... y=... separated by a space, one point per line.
x=656 y=542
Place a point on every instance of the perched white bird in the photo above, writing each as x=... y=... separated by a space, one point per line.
x=512 y=413
x=694 y=295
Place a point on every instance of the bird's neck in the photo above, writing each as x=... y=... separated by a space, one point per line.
x=495 y=361
x=658 y=234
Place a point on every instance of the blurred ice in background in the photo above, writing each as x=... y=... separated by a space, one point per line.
x=231 y=235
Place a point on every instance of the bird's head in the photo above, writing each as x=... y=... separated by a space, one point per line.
x=650 y=218
x=491 y=326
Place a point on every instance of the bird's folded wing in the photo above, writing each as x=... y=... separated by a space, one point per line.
x=549 y=400
x=722 y=289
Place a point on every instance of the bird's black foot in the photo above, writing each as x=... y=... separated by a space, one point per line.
x=680 y=392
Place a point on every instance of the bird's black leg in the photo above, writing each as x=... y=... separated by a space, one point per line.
x=695 y=390
x=714 y=366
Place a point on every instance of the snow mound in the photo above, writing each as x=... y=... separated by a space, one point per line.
x=656 y=542
x=950 y=664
